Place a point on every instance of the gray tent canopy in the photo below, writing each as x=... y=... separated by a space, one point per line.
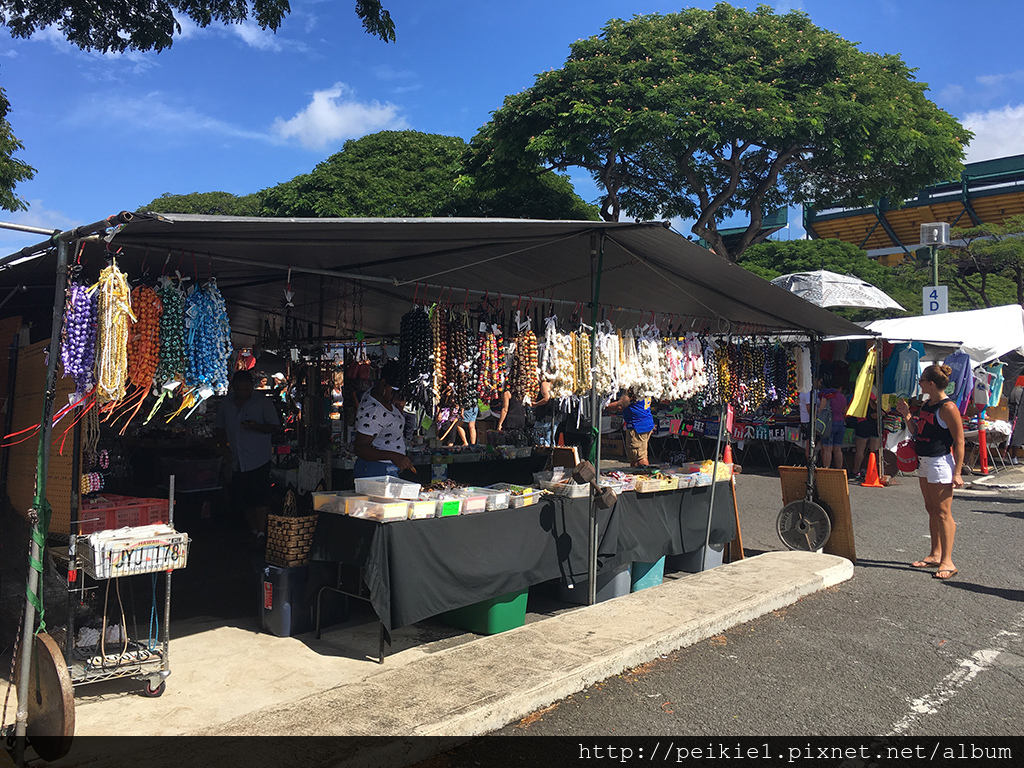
x=385 y=263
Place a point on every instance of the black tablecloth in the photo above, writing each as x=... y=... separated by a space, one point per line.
x=414 y=569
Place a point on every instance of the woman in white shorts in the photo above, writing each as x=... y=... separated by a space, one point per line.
x=939 y=441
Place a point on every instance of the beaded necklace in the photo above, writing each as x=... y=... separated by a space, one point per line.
x=78 y=340
x=115 y=316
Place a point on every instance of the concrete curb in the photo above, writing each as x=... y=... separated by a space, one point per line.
x=477 y=687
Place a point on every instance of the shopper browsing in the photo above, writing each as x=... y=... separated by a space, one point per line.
x=939 y=441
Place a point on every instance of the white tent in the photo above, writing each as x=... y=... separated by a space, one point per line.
x=984 y=334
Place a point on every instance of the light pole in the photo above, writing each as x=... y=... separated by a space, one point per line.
x=933 y=235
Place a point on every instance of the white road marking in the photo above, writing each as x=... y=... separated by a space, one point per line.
x=967 y=669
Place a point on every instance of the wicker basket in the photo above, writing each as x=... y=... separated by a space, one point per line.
x=289 y=540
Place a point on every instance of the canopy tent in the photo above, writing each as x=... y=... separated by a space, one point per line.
x=644 y=268
x=984 y=334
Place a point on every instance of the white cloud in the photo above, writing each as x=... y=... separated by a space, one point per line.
x=251 y=34
x=333 y=116
x=997 y=133
x=154 y=114
x=1006 y=78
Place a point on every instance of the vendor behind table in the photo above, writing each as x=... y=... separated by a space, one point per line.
x=637 y=424
x=380 y=428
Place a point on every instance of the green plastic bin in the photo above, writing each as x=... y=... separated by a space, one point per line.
x=490 y=617
x=644 y=575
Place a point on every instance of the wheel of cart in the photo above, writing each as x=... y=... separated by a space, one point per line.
x=806 y=523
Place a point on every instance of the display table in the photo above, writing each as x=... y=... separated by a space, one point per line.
x=413 y=569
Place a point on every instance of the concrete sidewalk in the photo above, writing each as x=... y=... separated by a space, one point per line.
x=227 y=681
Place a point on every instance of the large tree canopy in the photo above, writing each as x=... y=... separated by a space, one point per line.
x=140 y=25
x=12 y=170
x=144 y=25
x=393 y=174
x=983 y=260
x=705 y=114
x=903 y=282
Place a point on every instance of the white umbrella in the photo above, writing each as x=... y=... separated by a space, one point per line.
x=829 y=289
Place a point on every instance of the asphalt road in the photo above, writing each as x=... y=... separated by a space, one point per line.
x=890 y=652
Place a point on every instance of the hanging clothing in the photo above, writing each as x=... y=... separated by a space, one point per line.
x=983 y=387
x=961 y=380
x=903 y=372
x=996 y=369
x=865 y=382
x=802 y=356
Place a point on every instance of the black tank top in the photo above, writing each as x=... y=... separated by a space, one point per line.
x=516 y=416
x=932 y=438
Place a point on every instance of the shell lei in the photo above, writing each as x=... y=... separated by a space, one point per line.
x=207 y=339
x=78 y=340
x=115 y=316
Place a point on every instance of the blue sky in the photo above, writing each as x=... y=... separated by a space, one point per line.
x=239 y=109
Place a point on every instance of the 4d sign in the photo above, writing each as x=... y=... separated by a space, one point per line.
x=935 y=299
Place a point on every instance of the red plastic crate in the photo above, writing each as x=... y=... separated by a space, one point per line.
x=111 y=511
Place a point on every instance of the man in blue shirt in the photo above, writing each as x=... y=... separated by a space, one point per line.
x=637 y=425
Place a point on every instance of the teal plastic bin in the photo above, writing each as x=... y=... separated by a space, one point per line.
x=646 y=575
x=499 y=614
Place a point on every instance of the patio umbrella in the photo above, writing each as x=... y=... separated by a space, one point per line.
x=830 y=289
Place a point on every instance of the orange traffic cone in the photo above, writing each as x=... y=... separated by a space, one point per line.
x=727 y=454
x=872 y=481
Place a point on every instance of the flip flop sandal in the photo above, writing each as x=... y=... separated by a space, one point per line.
x=950 y=573
x=923 y=564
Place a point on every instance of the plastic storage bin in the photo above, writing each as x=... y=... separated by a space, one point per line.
x=496 y=499
x=490 y=617
x=690 y=562
x=387 y=487
x=613 y=583
x=381 y=509
x=644 y=575
x=474 y=502
x=110 y=511
x=521 y=495
x=423 y=508
x=569 y=489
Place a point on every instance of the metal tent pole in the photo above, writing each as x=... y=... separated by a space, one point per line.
x=714 y=477
x=878 y=404
x=596 y=265
x=39 y=506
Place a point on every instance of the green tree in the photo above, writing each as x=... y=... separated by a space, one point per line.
x=408 y=173
x=12 y=170
x=984 y=261
x=705 y=114
x=206 y=203
x=137 y=25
